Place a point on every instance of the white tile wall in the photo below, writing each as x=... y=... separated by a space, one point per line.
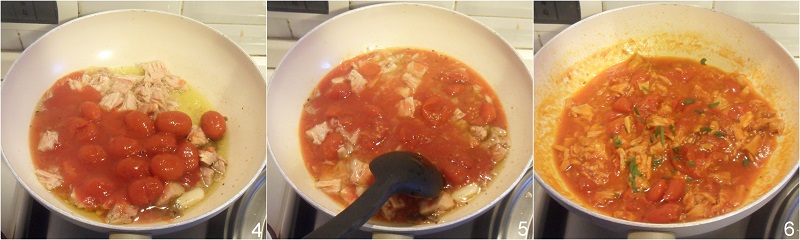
x=779 y=19
x=244 y=22
x=497 y=9
x=235 y=12
x=511 y=20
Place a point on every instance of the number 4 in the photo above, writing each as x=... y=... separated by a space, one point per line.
x=257 y=230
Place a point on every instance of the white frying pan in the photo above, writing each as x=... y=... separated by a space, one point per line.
x=598 y=42
x=399 y=25
x=209 y=61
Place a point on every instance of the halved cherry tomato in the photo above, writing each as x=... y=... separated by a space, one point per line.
x=657 y=191
x=674 y=191
x=666 y=213
x=438 y=111
x=174 y=122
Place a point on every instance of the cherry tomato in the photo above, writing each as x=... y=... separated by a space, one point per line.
x=167 y=167
x=139 y=124
x=623 y=105
x=174 y=122
x=95 y=191
x=160 y=143
x=91 y=154
x=438 y=111
x=133 y=168
x=656 y=191
x=213 y=125
x=124 y=147
x=189 y=152
x=145 y=191
x=674 y=191
x=91 y=110
x=86 y=133
x=331 y=144
x=666 y=213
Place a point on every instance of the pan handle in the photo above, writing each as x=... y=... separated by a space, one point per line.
x=650 y=235
x=129 y=236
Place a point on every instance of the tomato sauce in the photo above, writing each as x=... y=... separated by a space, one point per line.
x=448 y=100
x=107 y=157
x=665 y=140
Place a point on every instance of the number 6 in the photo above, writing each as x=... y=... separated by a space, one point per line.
x=788 y=229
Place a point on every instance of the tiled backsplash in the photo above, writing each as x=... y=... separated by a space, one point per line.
x=779 y=19
x=243 y=22
x=512 y=20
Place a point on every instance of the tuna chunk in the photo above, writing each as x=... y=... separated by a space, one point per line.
x=416 y=69
x=318 y=132
x=48 y=142
x=407 y=107
x=121 y=213
x=121 y=85
x=458 y=114
x=154 y=70
x=210 y=157
x=75 y=84
x=359 y=172
x=50 y=179
x=357 y=82
x=174 y=82
x=129 y=102
x=111 y=101
x=389 y=209
x=197 y=136
x=332 y=186
x=171 y=191
x=207 y=176
x=442 y=203
x=478 y=132
x=411 y=81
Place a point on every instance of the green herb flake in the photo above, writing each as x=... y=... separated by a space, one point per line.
x=617 y=142
x=688 y=101
x=657 y=163
x=713 y=105
x=703 y=61
x=691 y=163
x=689 y=179
x=746 y=161
x=660 y=134
x=636 y=110
x=672 y=129
x=652 y=139
x=699 y=112
x=634 y=170
x=676 y=149
x=720 y=134
x=645 y=89
x=673 y=171
x=705 y=129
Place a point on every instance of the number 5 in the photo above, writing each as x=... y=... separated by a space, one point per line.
x=257 y=230
x=523 y=228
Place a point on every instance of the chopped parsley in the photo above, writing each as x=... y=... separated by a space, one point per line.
x=673 y=171
x=676 y=149
x=657 y=163
x=720 y=134
x=703 y=61
x=688 y=101
x=699 y=111
x=691 y=163
x=645 y=89
x=634 y=170
x=660 y=134
x=705 y=129
x=689 y=179
x=617 y=142
x=672 y=129
x=635 y=110
x=713 y=105
x=746 y=161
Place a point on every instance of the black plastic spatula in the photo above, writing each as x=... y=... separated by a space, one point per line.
x=395 y=172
